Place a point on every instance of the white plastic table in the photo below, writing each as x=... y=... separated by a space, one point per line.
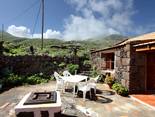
x=75 y=79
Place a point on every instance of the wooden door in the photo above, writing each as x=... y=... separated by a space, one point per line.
x=151 y=71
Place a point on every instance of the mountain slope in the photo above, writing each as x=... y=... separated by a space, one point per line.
x=96 y=43
x=107 y=41
x=8 y=37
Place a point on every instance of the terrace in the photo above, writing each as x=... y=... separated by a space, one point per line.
x=108 y=103
x=15 y=71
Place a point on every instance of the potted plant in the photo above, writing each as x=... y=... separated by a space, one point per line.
x=120 y=89
x=109 y=80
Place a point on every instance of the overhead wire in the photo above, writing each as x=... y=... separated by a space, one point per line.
x=23 y=12
x=36 y=20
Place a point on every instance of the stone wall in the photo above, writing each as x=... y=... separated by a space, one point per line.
x=130 y=68
x=96 y=60
x=29 y=64
x=122 y=64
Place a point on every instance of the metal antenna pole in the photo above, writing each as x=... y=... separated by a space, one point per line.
x=42 y=27
x=2 y=31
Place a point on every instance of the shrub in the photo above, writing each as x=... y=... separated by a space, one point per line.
x=123 y=91
x=13 y=80
x=35 y=79
x=116 y=86
x=72 y=68
x=109 y=80
x=120 y=89
x=87 y=62
x=94 y=72
x=62 y=65
x=43 y=76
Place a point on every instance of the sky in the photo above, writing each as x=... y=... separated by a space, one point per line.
x=78 y=19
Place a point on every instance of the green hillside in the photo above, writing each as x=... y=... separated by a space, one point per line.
x=20 y=46
x=8 y=37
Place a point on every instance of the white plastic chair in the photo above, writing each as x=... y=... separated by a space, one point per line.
x=85 y=87
x=93 y=86
x=59 y=81
x=95 y=80
x=66 y=73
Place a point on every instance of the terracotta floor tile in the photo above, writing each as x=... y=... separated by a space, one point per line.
x=149 y=99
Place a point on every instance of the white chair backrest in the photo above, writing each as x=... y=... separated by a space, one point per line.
x=66 y=73
x=94 y=80
x=97 y=78
x=83 y=86
x=86 y=85
x=57 y=76
x=91 y=85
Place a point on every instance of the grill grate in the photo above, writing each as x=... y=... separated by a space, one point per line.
x=41 y=98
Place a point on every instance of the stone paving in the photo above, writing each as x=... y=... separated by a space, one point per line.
x=108 y=104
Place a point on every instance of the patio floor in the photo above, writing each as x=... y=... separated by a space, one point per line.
x=148 y=99
x=108 y=104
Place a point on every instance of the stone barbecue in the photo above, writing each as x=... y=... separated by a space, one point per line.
x=41 y=98
x=39 y=104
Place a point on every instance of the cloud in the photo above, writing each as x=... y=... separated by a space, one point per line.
x=91 y=19
x=79 y=28
x=98 y=18
x=22 y=31
x=49 y=34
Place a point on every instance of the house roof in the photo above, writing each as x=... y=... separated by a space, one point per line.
x=105 y=49
x=149 y=46
x=142 y=38
x=144 y=44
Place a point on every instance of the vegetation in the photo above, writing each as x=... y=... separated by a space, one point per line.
x=14 y=46
x=87 y=62
x=36 y=79
x=72 y=68
x=62 y=65
x=120 y=89
x=9 y=79
x=94 y=72
x=116 y=86
x=13 y=80
x=55 y=47
x=109 y=80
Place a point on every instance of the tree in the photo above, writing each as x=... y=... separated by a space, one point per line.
x=74 y=49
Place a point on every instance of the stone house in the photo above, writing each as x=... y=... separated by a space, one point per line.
x=132 y=60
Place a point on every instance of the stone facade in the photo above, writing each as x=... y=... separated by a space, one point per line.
x=97 y=60
x=122 y=64
x=103 y=61
x=130 y=67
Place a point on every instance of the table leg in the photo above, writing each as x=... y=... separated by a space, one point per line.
x=74 y=91
x=37 y=113
x=51 y=114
